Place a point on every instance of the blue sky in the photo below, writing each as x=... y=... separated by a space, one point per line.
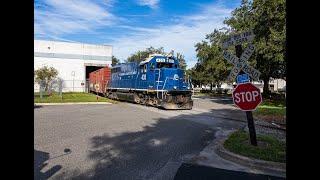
x=132 y=25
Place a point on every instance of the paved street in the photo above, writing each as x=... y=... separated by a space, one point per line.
x=124 y=140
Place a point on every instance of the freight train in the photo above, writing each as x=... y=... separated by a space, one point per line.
x=157 y=81
x=99 y=79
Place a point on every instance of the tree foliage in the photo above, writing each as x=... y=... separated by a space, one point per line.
x=268 y=21
x=115 y=61
x=211 y=67
x=142 y=55
x=182 y=61
x=45 y=75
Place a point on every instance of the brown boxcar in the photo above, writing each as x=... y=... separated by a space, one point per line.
x=99 y=79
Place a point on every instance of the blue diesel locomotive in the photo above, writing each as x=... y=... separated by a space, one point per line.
x=157 y=81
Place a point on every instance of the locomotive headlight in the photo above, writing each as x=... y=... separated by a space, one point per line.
x=174 y=87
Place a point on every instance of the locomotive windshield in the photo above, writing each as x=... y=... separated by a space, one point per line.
x=166 y=65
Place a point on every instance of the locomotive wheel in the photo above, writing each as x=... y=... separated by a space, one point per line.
x=137 y=99
x=143 y=100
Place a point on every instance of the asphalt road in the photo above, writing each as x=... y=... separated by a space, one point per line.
x=125 y=141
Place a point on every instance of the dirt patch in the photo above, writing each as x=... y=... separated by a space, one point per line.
x=272 y=119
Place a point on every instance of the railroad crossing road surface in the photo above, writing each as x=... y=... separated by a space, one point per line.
x=124 y=140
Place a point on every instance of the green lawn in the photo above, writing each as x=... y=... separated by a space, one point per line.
x=269 y=148
x=274 y=103
x=271 y=109
x=69 y=97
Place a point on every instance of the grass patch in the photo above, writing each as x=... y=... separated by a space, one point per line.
x=273 y=103
x=69 y=97
x=271 y=110
x=268 y=149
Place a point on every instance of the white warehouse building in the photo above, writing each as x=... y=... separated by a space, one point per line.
x=74 y=61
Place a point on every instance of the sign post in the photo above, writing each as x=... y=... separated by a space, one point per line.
x=246 y=96
x=252 y=130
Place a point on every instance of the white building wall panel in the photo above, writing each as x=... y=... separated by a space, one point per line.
x=65 y=68
x=97 y=50
x=72 y=48
x=68 y=58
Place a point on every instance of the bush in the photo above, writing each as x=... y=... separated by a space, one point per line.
x=45 y=75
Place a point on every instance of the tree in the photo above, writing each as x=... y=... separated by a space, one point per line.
x=182 y=61
x=115 y=61
x=211 y=67
x=267 y=19
x=45 y=75
x=141 y=55
x=197 y=75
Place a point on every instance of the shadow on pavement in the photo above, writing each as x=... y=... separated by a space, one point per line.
x=222 y=100
x=40 y=159
x=143 y=154
x=37 y=106
x=190 y=171
x=152 y=152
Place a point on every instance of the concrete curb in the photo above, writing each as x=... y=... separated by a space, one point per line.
x=268 y=166
x=71 y=103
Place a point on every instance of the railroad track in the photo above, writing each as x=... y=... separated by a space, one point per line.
x=272 y=125
x=195 y=111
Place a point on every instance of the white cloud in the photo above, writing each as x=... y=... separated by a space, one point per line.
x=151 y=3
x=63 y=17
x=180 y=37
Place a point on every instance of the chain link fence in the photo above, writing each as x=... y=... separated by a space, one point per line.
x=59 y=86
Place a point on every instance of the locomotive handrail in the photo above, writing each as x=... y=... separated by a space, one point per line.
x=164 y=86
x=158 y=84
x=164 y=83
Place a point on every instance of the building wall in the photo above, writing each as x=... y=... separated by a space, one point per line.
x=70 y=60
x=279 y=84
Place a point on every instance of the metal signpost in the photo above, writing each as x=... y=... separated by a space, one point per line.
x=60 y=87
x=73 y=74
x=246 y=96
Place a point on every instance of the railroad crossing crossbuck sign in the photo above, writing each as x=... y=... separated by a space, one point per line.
x=238 y=39
x=240 y=63
x=247 y=96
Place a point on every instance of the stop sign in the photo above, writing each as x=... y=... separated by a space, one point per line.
x=247 y=96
